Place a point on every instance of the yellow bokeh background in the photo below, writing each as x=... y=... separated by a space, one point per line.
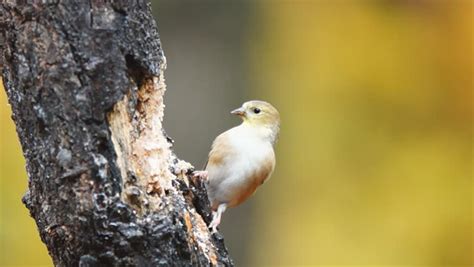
x=20 y=244
x=375 y=154
x=375 y=151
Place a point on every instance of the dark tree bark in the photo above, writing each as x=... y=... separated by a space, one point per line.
x=85 y=83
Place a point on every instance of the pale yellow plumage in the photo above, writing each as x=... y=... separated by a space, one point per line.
x=242 y=158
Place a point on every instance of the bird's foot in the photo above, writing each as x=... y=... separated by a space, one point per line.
x=201 y=174
x=213 y=225
x=216 y=217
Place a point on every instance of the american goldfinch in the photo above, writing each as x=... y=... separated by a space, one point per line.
x=242 y=158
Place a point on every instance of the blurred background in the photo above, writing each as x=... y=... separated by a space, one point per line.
x=374 y=161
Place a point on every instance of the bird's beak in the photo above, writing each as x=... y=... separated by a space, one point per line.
x=239 y=112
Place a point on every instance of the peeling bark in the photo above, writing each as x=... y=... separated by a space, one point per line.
x=85 y=82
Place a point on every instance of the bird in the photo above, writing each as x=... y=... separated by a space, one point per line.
x=241 y=158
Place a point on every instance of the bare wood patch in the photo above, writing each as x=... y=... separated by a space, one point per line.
x=143 y=152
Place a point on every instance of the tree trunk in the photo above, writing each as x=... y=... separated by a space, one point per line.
x=85 y=83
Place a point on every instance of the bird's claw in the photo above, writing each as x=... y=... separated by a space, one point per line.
x=201 y=174
x=213 y=229
x=213 y=225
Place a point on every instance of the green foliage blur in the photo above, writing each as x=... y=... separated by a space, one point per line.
x=374 y=161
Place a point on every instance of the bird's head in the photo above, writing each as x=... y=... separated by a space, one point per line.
x=259 y=113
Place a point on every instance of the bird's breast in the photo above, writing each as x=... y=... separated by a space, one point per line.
x=249 y=164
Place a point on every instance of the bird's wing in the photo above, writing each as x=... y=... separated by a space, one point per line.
x=221 y=150
x=219 y=164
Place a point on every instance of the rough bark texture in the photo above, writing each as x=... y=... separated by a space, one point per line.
x=85 y=83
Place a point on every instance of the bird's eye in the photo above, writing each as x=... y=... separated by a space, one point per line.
x=256 y=110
